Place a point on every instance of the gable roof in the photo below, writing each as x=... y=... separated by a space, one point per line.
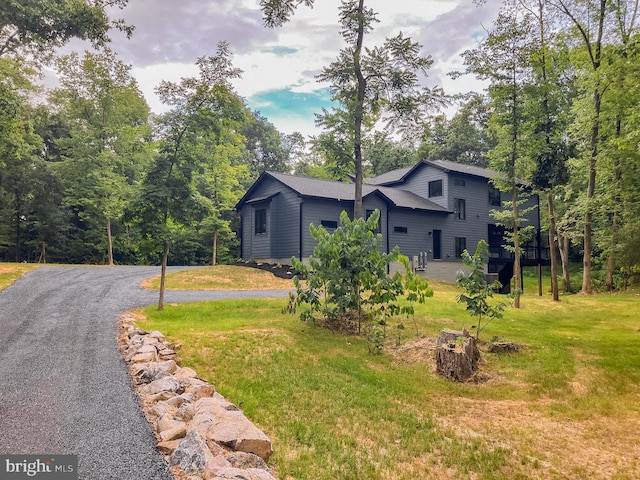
x=401 y=174
x=332 y=190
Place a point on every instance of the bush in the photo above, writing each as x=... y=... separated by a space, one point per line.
x=347 y=285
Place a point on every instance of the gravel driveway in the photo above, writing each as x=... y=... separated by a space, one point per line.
x=64 y=388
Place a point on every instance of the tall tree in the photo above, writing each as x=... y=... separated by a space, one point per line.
x=501 y=58
x=200 y=107
x=18 y=153
x=108 y=120
x=367 y=82
x=548 y=103
x=595 y=23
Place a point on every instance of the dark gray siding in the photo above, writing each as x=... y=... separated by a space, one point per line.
x=315 y=211
x=418 y=183
x=281 y=239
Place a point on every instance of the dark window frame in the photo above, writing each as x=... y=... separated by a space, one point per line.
x=494 y=196
x=459 y=182
x=436 y=188
x=378 y=229
x=260 y=221
x=460 y=245
x=460 y=208
x=333 y=224
x=400 y=230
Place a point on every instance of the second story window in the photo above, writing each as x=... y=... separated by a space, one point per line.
x=435 y=188
x=378 y=229
x=459 y=209
x=494 y=196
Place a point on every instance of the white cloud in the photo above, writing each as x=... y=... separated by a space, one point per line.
x=171 y=35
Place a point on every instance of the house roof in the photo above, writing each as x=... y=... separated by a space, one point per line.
x=456 y=167
x=329 y=189
x=400 y=175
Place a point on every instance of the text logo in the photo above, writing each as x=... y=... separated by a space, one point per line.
x=45 y=467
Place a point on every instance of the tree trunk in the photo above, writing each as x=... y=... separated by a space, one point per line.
x=109 y=243
x=517 y=268
x=359 y=114
x=457 y=355
x=563 y=241
x=214 y=255
x=163 y=272
x=552 y=248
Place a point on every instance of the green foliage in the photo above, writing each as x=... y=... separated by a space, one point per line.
x=37 y=27
x=347 y=287
x=477 y=289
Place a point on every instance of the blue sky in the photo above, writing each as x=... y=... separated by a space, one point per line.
x=280 y=65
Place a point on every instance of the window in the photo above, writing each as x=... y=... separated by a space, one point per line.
x=329 y=223
x=459 y=182
x=261 y=221
x=435 y=188
x=437 y=244
x=403 y=230
x=459 y=209
x=494 y=196
x=377 y=229
x=461 y=245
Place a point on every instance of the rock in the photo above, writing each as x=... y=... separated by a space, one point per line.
x=185 y=413
x=160 y=409
x=147 y=373
x=185 y=372
x=240 y=474
x=165 y=384
x=166 y=422
x=246 y=460
x=143 y=357
x=192 y=455
x=180 y=399
x=229 y=428
x=137 y=331
x=167 y=448
x=503 y=347
x=156 y=334
x=179 y=431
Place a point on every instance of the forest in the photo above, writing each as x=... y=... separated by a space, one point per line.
x=88 y=174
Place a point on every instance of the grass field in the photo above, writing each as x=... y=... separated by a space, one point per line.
x=567 y=406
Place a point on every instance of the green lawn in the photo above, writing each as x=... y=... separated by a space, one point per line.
x=568 y=406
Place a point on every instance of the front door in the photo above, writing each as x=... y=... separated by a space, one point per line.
x=437 y=244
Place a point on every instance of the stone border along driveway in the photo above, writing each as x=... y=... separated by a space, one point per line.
x=200 y=433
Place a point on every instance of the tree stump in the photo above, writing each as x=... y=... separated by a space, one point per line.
x=456 y=355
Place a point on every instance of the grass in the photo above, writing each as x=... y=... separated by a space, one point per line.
x=566 y=407
x=10 y=272
x=221 y=277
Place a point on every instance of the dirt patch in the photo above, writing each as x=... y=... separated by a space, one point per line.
x=547 y=446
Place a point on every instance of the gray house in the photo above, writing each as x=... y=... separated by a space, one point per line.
x=432 y=211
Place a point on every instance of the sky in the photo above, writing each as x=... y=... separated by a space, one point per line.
x=280 y=65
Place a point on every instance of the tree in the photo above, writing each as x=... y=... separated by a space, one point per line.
x=477 y=289
x=346 y=280
x=594 y=22
x=202 y=112
x=467 y=138
x=502 y=58
x=108 y=120
x=367 y=82
x=548 y=104
x=19 y=146
x=37 y=27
